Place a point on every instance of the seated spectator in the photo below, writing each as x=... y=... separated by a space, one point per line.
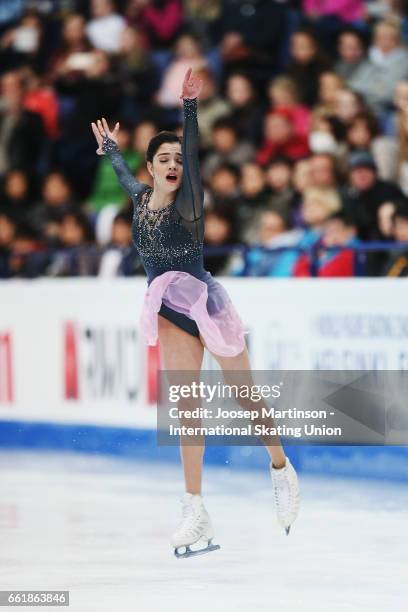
x=28 y=256
x=74 y=51
x=220 y=230
x=348 y=105
x=211 y=106
x=385 y=220
x=74 y=232
x=106 y=189
x=160 y=20
x=346 y=11
x=397 y=261
x=200 y=16
x=330 y=84
x=246 y=112
x=224 y=182
x=105 y=27
x=337 y=231
x=8 y=229
x=188 y=53
x=363 y=134
x=365 y=193
x=280 y=138
x=253 y=188
x=227 y=148
x=323 y=171
x=326 y=135
x=136 y=74
x=282 y=93
x=22 y=44
x=306 y=64
x=265 y=257
x=40 y=98
x=317 y=206
x=388 y=64
x=57 y=200
x=22 y=139
x=351 y=48
x=278 y=175
x=15 y=200
x=119 y=258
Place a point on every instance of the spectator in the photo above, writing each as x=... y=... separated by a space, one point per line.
x=330 y=84
x=333 y=258
x=224 y=182
x=161 y=20
x=273 y=234
x=22 y=137
x=75 y=232
x=211 y=107
x=323 y=173
x=106 y=26
x=74 y=52
x=8 y=229
x=280 y=138
x=188 y=53
x=56 y=202
x=136 y=73
x=283 y=93
x=220 y=230
x=365 y=193
x=348 y=105
x=246 y=112
x=119 y=258
x=226 y=148
x=279 y=180
x=307 y=63
x=15 y=199
x=388 y=64
x=22 y=45
x=397 y=261
x=352 y=54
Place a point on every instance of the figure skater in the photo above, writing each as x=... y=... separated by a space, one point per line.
x=185 y=308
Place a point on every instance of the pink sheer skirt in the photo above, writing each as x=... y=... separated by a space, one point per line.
x=209 y=305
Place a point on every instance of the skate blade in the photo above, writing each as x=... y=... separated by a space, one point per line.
x=189 y=552
x=287 y=529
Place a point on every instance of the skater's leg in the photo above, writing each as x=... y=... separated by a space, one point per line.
x=180 y=351
x=241 y=364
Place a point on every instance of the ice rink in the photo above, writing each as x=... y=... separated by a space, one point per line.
x=99 y=527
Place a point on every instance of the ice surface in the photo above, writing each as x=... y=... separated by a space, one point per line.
x=99 y=527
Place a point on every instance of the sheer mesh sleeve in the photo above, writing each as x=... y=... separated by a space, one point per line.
x=126 y=179
x=190 y=198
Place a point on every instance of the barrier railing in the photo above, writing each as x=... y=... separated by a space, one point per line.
x=35 y=261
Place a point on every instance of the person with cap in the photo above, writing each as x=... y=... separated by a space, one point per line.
x=364 y=193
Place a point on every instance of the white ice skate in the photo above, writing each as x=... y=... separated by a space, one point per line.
x=195 y=527
x=286 y=491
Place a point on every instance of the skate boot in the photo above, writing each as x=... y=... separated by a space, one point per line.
x=286 y=491
x=194 y=529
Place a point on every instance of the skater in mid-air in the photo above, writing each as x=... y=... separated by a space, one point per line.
x=168 y=231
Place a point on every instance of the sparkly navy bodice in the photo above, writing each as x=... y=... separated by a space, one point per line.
x=170 y=238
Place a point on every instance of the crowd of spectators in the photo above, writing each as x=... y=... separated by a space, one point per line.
x=303 y=124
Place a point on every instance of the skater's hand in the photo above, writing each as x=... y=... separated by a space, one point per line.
x=101 y=130
x=191 y=87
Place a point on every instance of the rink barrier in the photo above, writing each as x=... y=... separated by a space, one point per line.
x=368 y=462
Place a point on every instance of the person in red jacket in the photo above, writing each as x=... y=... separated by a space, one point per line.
x=338 y=231
x=281 y=140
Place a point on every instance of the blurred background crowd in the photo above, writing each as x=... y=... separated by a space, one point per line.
x=303 y=131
